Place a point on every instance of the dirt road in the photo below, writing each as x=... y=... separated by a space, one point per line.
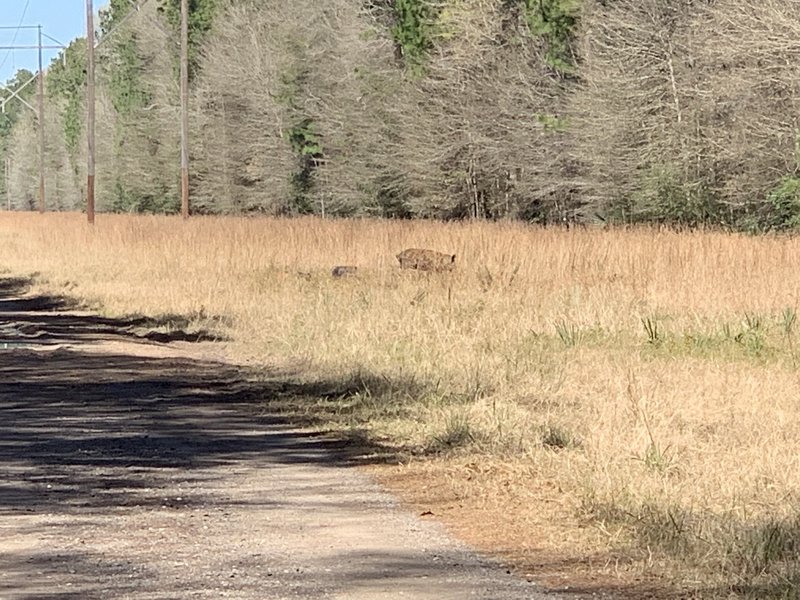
x=136 y=469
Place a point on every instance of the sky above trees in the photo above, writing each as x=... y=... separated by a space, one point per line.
x=63 y=20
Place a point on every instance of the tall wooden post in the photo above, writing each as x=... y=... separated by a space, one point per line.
x=90 y=111
x=8 y=186
x=185 y=109
x=41 y=125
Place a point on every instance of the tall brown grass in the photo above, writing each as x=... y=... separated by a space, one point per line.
x=652 y=374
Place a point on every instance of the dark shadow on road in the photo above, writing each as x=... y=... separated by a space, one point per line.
x=44 y=320
x=67 y=413
x=85 y=573
x=13 y=298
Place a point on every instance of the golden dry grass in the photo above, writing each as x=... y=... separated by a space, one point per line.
x=642 y=385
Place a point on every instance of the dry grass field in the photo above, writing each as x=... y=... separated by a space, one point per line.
x=623 y=403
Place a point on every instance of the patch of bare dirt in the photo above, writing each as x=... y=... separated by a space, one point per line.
x=540 y=540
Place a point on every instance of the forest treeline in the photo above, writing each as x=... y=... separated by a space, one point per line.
x=682 y=112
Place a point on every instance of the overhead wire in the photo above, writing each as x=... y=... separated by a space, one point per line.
x=16 y=33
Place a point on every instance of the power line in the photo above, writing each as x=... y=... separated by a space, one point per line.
x=16 y=33
x=51 y=38
x=32 y=47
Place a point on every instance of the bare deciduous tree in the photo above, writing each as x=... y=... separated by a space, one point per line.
x=688 y=109
x=480 y=134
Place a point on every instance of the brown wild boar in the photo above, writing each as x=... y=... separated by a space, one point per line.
x=426 y=260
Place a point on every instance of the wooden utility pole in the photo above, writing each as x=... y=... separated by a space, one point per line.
x=90 y=111
x=41 y=126
x=185 y=108
x=8 y=187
